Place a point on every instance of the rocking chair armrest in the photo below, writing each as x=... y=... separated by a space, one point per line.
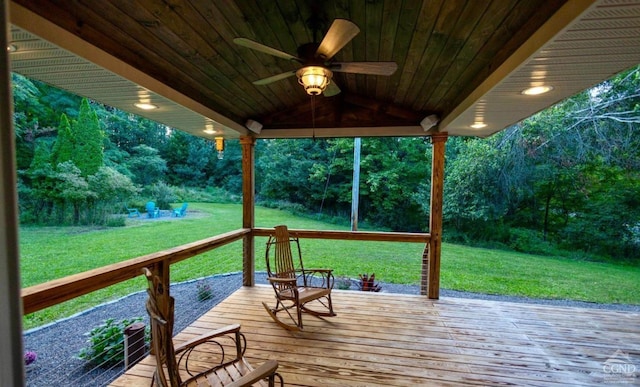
x=233 y=328
x=265 y=370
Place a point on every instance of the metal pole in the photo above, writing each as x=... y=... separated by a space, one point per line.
x=355 y=189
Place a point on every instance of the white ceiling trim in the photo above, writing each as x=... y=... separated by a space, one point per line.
x=581 y=45
x=50 y=54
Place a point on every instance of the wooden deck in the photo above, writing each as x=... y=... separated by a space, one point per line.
x=381 y=339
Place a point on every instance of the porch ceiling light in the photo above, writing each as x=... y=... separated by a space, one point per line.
x=145 y=106
x=12 y=48
x=478 y=125
x=536 y=90
x=314 y=79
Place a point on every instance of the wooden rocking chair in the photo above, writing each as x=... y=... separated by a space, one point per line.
x=297 y=289
x=211 y=359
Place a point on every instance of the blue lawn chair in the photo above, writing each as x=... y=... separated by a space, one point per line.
x=152 y=210
x=133 y=212
x=180 y=212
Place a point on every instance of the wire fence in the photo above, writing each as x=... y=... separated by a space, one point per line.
x=58 y=346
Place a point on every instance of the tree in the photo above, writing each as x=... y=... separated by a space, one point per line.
x=71 y=188
x=88 y=152
x=113 y=190
x=64 y=147
x=146 y=165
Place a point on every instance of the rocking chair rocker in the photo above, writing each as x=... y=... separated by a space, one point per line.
x=221 y=349
x=296 y=289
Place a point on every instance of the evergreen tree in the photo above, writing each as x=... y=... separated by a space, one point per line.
x=88 y=154
x=63 y=148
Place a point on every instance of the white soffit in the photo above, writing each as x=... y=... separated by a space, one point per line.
x=38 y=59
x=603 y=41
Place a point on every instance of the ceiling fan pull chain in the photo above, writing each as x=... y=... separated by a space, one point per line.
x=313 y=117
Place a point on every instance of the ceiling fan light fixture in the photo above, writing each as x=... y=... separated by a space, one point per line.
x=314 y=79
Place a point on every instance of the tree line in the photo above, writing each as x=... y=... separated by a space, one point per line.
x=567 y=177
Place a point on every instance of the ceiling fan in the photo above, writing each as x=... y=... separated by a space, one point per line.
x=317 y=60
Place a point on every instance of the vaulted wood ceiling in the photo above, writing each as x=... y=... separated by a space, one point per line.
x=457 y=59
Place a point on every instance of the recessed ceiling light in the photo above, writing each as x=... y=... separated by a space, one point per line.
x=210 y=131
x=145 y=106
x=537 y=90
x=478 y=125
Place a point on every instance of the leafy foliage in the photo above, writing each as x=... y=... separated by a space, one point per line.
x=204 y=291
x=106 y=343
x=567 y=175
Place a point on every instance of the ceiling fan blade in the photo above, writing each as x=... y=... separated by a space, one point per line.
x=331 y=90
x=340 y=33
x=248 y=43
x=372 y=68
x=274 y=78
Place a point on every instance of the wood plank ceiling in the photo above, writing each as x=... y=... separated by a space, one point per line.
x=446 y=50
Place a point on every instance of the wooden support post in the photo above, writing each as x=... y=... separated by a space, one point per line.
x=435 y=214
x=11 y=351
x=248 y=209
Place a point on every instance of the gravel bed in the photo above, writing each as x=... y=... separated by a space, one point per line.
x=58 y=344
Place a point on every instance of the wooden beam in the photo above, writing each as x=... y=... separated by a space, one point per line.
x=350 y=235
x=11 y=355
x=435 y=214
x=382 y=131
x=248 y=209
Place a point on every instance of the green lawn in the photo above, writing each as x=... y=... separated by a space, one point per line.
x=52 y=252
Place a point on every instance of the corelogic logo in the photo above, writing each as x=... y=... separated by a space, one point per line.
x=619 y=368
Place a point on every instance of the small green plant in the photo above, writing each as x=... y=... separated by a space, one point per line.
x=368 y=283
x=343 y=283
x=204 y=291
x=106 y=342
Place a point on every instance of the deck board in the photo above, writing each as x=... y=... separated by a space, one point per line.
x=381 y=339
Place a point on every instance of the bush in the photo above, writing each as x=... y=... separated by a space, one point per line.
x=529 y=241
x=106 y=343
x=116 y=221
x=343 y=283
x=204 y=291
x=163 y=195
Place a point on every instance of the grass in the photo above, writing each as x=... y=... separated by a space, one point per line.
x=48 y=253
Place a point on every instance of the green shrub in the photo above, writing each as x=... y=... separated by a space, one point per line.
x=163 y=194
x=116 y=221
x=343 y=283
x=204 y=291
x=106 y=343
x=529 y=241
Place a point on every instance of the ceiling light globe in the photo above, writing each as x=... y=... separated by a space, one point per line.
x=314 y=79
x=537 y=90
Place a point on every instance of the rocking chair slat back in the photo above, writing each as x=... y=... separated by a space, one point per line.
x=284 y=267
